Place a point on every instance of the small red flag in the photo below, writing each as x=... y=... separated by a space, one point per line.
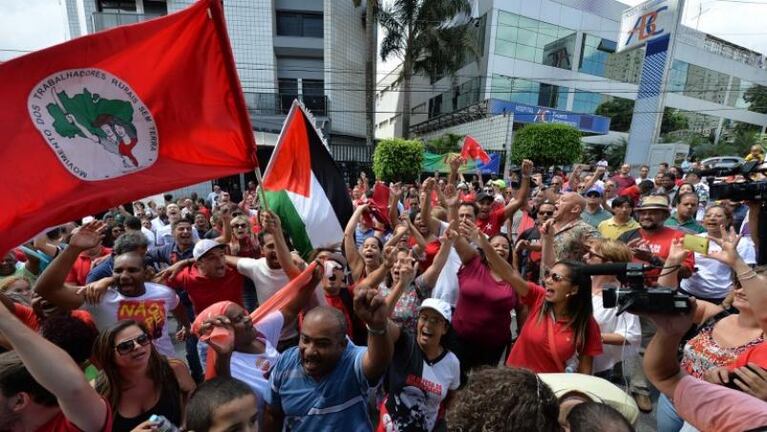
x=119 y=115
x=472 y=150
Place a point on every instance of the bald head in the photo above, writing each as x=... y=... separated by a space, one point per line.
x=569 y=207
x=326 y=318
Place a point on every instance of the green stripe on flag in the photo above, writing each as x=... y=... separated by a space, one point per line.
x=281 y=204
x=438 y=163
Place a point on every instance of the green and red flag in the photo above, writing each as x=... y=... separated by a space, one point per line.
x=304 y=186
x=118 y=115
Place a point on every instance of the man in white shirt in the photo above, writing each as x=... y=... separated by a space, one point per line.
x=212 y=198
x=125 y=295
x=272 y=271
x=165 y=233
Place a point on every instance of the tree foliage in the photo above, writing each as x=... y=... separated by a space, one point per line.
x=621 y=111
x=614 y=153
x=547 y=144
x=432 y=37
x=397 y=159
x=447 y=143
x=756 y=96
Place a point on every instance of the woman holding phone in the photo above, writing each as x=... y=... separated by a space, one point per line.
x=713 y=281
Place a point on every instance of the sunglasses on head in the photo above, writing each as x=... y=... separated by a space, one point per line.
x=556 y=277
x=129 y=345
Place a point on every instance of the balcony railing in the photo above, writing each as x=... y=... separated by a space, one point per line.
x=279 y=104
x=105 y=20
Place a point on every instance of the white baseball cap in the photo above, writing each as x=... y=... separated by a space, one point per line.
x=442 y=307
x=204 y=246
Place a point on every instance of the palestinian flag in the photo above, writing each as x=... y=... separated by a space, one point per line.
x=304 y=186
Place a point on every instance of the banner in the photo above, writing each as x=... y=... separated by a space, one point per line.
x=438 y=163
x=119 y=115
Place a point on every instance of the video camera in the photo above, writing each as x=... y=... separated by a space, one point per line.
x=743 y=190
x=635 y=297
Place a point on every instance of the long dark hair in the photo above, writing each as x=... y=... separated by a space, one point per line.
x=109 y=382
x=579 y=307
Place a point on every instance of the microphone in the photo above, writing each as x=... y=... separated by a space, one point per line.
x=617 y=269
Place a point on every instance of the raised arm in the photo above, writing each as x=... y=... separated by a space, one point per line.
x=524 y=191
x=547 y=244
x=51 y=284
x=660 y=363
x=426 y=217
x=226 y=224
x=294 y=306
x=273 y=226
x=406 y=275
x=356 y=263
x=55 y=370
x=753 y=283
x=498 y=265
x=371 y=308
x=669 y=275
x=431 y=274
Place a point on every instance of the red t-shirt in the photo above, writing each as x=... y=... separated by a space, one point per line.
x=482 y=312
x=204 y=291
x=28 y=316
x=532 y=350
x=623 y=182
x=660 y=244
x=756 y=355
x=429 y=252
x=82 y=266
x=59 y=423
x=493 y=223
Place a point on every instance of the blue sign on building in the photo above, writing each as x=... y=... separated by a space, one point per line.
x=537 y=114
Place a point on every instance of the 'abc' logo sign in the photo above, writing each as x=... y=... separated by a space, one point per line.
x=646 y=25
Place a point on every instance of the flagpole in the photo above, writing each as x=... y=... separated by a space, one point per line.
x=261 y=192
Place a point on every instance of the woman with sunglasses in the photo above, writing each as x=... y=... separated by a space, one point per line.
x=621 y=334
x=721 y=335
x=560 y=328
x=136 y=380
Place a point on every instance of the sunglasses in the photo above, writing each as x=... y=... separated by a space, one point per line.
x=556 y=277
x=239 y=225
x=546 y=213
x=129 y=345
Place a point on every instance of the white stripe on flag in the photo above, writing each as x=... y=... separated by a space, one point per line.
x=320 y=219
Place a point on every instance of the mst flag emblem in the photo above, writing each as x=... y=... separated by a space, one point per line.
x=94 y=122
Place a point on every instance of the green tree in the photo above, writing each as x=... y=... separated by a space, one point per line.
x=397 y=159
x=431 y=37
x=756 y=96
x=547 y=144
x=614 y=153
x=620 y=112
x=447 y=143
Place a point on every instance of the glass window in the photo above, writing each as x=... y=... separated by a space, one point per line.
x=116 y=6
x=299 y=24
x=534 y=41
x=598 y=58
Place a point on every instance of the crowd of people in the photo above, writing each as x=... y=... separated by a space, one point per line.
x=467 y=306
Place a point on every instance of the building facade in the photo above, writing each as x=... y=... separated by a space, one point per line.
x=284 y=49
x=556 y=58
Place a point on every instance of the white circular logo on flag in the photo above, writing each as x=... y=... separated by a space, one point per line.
x=95 y=123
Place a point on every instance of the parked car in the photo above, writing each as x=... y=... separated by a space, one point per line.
x=722 y=162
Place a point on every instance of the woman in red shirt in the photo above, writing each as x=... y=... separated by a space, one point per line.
x=560 y=328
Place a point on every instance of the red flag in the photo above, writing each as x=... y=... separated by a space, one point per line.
x=472 y=150
x=119 y=115
x=378 y=205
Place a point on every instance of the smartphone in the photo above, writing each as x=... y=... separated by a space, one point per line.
x=695 y=244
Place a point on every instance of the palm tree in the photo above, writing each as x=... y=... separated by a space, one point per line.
x=431 y=36
x=370 y=63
